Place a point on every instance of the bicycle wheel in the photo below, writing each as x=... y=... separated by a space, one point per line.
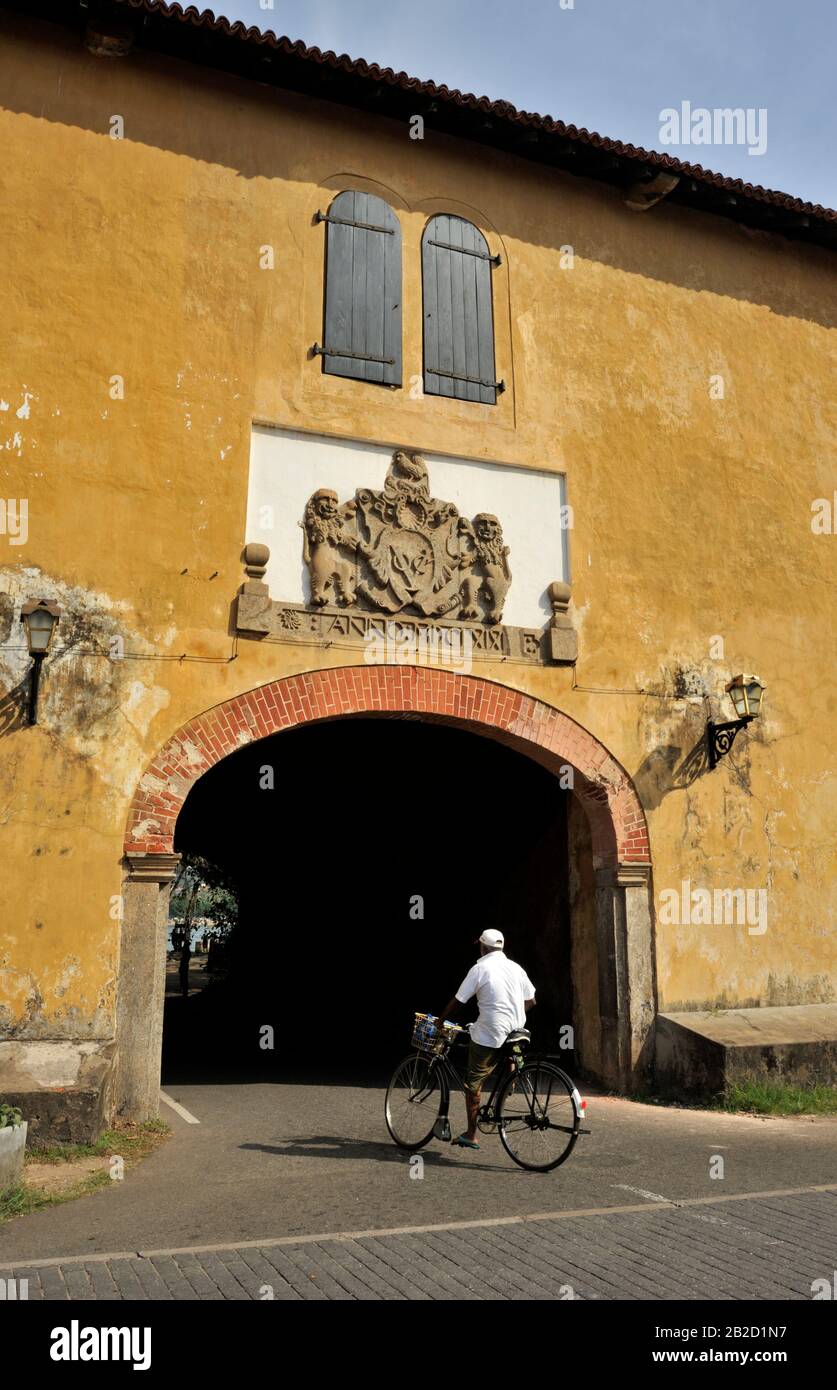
x=539 y=1116
x=413 y=1101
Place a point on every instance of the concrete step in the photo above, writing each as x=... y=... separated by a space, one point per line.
x=707 y=1050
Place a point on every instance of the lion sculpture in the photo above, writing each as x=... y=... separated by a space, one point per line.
x=329 y=549
x=489 y=576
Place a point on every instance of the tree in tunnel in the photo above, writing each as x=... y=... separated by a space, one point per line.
x=203 y=890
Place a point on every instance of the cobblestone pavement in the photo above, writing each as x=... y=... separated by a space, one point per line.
x=770 y=1245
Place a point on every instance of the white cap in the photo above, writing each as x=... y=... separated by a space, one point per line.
x=494 y=939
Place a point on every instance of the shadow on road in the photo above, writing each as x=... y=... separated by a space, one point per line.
x=333 y=1146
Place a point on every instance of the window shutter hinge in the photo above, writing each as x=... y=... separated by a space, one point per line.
x=474 y=380
x=318 y=351
x=346 y=222
x=464 y=251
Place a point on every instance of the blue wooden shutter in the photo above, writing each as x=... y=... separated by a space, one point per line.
x=363 y=290
x=458 y=315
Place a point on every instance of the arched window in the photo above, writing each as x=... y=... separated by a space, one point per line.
x=362 y=320
x=458 y=315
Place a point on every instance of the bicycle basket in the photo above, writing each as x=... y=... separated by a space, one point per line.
x=427 y=1038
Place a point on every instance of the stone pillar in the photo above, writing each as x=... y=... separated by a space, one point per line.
x=626 y=971
x=613 y=983
x=634 y=883
x=135 y=1093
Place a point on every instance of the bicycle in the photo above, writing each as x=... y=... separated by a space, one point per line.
x=533 y=1105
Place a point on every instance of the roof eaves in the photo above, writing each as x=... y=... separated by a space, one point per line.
x=551 y=141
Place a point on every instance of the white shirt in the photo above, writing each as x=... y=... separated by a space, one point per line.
x=501 y=986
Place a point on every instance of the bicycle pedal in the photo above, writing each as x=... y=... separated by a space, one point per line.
x=441 y=1129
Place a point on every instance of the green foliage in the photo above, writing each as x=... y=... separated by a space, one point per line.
x=752 y=1096
x=21 y=1201
x=780 y=1098
x=133 y=1142
x=202 y=889
x=10 y=1116
x=69 y=1153
x=128 y=1142
x=14 y=1201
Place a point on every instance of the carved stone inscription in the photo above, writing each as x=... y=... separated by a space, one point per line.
x=431 y=639
x=400 y=550
x=402 y=574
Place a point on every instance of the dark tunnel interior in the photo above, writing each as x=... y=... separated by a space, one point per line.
x=332 y=950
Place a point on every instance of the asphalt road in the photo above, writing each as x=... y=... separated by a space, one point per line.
x=271 y=1161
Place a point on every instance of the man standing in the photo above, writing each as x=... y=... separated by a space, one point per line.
x=185 y=955
x=505 y=994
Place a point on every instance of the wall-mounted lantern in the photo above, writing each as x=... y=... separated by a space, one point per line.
x=40 y=618
x=746 y=693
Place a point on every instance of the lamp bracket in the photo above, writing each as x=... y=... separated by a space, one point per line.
x=721 y=737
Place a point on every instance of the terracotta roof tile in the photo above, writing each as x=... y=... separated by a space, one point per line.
x=716 y=192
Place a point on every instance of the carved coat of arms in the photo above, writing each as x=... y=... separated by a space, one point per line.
x=400 y=550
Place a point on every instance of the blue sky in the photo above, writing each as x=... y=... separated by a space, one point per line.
x=611 y=65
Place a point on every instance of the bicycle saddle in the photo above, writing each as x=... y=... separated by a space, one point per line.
x=519 y=1035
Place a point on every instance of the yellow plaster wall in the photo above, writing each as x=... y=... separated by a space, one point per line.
x=692 y=516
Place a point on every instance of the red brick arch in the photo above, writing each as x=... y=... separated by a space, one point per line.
x=617 y=821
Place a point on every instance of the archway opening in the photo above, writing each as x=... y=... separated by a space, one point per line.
x=609 y=866
x=368 y=853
